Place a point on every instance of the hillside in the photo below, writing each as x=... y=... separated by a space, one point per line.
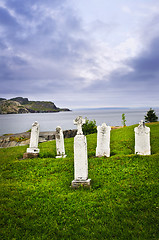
x=23 y=105
x=38 y=203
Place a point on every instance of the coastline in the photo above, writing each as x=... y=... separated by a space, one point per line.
x=22 y=139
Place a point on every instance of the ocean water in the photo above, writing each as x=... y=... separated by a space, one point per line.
x=17 y=123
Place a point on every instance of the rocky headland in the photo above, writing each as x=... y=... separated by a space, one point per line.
x=23 y=105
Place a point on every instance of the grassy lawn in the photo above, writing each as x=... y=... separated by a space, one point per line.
x=123 y=202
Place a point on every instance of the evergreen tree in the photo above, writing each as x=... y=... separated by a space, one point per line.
x=151 y=116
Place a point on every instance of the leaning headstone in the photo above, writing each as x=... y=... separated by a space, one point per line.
x=103 y=141
x=60 y=148
x=142 y=139
x=80 y=157
x=33 y=150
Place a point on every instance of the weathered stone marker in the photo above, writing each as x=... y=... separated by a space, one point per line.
x=80 y=157
x=142 y=139
x=33 y=150
x=103 y=141
x=34 y=138
x=60 y=148
x=79 y=121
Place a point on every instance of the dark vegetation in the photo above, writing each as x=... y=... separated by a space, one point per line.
x=1 y=99
x=89 y=127
x=151 y=116
x=123 y=202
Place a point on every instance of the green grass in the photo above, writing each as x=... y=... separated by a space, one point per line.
x=41 y=106
x=123 y=202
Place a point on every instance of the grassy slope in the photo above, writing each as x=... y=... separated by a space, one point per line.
x=123 y=202
x=41 y=106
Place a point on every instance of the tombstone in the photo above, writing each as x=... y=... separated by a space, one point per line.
x=103 y=141
x=60 y=148
x=34 y=138
x=80 y=157
x=142 y=139
x=79 y=122
x=33 y=150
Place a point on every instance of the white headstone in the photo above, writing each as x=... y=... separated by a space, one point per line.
x=34 y=138
x=103 y=141
x=60 y=148
x=80 y=156
x=79 y=122
x=142 y=139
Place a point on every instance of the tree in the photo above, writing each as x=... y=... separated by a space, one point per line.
x=151 y=116
x=89 y=127
x=123 y=120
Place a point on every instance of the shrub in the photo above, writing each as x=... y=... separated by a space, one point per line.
x=89 y=127
x=151 y=116
x=123 y=120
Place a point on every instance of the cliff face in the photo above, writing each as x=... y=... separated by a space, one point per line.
x=23 y=105
x=8 y=107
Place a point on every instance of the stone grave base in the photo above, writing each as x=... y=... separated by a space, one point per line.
x=63 y=156
x=79 y=183
x=148 y=152
x=100 y=155
x=30 y=155
x=33 y=150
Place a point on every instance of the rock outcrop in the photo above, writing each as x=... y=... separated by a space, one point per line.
x=23 y=105
x=10 y=107
x=21 y=139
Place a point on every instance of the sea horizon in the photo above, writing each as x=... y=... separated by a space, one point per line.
x=17 y=123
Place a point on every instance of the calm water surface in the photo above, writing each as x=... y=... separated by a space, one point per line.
x=16 y=123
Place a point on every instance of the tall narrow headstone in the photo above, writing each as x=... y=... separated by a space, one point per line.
x=80 y=156
x=103 y=141
x=60 y=148
x=34 y=138
x=142 y=139
x=33 y=150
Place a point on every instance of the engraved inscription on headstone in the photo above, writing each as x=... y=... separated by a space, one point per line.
x=60 y=148
x=103 y=141
x=80 y=157
x=142 y=139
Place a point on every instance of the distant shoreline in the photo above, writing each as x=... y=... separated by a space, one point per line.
x=21 y=105
x=115 y=108
x=17 y=123
x=34 y=112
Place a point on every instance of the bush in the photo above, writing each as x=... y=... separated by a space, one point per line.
x=123 y=120
x=89 y=127
x=151 y=116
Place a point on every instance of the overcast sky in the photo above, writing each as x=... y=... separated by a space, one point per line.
x=86 y=53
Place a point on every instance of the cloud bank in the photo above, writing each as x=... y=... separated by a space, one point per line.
x=49 y=50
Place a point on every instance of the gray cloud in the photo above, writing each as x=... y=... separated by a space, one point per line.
x=139 y=86
x=45 y=50
x=148 y=61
